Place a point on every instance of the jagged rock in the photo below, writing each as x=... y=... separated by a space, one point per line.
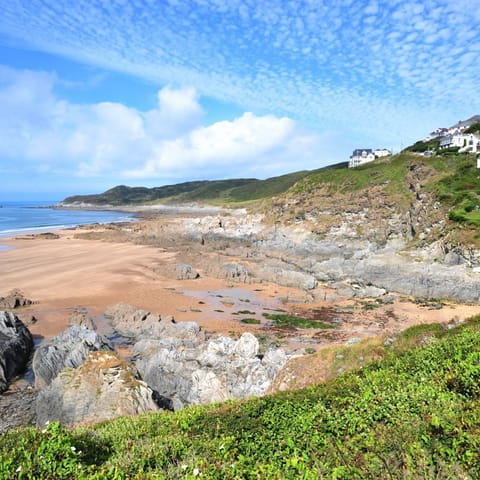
x=235 y=272
x=67 y=350
x=14 y=299
x=102 y=388
x=16 y=345
x=211 y=371
x=185 y=272
x=133 y=322
x=80 y=317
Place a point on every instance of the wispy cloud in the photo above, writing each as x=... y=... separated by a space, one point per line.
x=399 y=66
x=43 y=134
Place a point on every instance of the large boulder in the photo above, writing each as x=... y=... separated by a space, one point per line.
x=66 y=350
x=102 y=388
x=16 y=345
x=211 y=371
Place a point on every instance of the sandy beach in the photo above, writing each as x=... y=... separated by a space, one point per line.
x=61 y=273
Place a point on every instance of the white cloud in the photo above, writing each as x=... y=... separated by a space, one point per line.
x=247 y=144
x=264 y=56
x=111 y=140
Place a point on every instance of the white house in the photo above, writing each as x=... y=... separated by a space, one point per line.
x=361 y=156
x=466 y=142
x=470 y=143
x=382 y=152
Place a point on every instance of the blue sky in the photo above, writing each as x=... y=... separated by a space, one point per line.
x=96 y=93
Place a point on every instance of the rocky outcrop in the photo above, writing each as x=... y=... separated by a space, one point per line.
x=102 y=388
x=16 y=345
x=81 y=317
x=185 y=272
x=67 y=350
x=211 y=371
x=14 y=299
x=134 y=322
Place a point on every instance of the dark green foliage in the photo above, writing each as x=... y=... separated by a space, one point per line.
x=460 y=189
x=285 y=320
x=415 y=415
x=474 y=128
x=251 y=321
x=422 y=146
x=235 y=190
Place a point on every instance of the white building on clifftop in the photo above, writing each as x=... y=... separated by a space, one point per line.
x=365 y=155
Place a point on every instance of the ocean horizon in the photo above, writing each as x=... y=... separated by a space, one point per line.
x=23 y=217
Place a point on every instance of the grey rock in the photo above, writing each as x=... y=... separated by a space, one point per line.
x=186 y=272
x=17 y=407
x=453 y=258
x=235 y=272
x=207 y=371
x=133 y=322
x=16 y=345
x=67 y=350
x=102 y=388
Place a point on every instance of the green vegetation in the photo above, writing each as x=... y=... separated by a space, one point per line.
x=217 y=191
x=285 y=320
x=243 y=312
x=473 y=128
x=389 y=173
x=421 y=146
x=251 y=321
x=415 y=415
x=460 y=189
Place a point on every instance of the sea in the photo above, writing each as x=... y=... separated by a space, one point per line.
x=40 y=216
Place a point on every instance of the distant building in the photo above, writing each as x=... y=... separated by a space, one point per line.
x=462 y=125
x=382 y=152
x=361 y=156
x=466 y=142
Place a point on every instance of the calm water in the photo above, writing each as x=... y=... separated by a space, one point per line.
x=30 y=217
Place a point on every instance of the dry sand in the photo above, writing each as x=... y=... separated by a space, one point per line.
x=60 y=274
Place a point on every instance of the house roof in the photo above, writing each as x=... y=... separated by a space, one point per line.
x=358 y=152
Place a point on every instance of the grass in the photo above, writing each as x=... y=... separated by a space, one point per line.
x=286 y=320
x=415 y=414
x=251 y=321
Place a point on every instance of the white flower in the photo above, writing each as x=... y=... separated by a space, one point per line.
x=184 y=467
x=47 y=422
x=72 y=448
x=19 y=469
x=222 y=446
x=44 y=430
x=196 y=472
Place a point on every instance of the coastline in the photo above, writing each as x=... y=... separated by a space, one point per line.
x=96 y=266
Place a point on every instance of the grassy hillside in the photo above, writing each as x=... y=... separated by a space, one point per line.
x=415 y=414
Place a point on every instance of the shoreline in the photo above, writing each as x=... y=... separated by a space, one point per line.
x=88 y=266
